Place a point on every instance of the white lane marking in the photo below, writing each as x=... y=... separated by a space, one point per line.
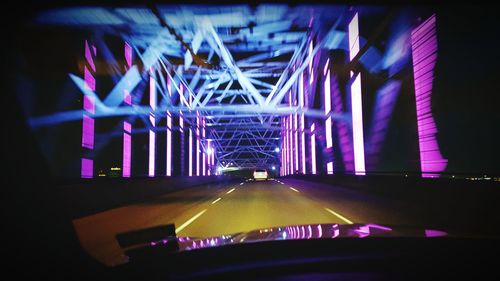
x=180 y=228
x=339 y=216
x=294 y=189
x=216 y=200
x=230 y=191
x=241 y=183
x=282 y=182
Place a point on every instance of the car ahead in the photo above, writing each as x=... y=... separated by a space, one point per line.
x=260 y=174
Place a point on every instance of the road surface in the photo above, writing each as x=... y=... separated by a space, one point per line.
x=229 y=208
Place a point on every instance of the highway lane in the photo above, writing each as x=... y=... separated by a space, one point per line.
x=226 y=209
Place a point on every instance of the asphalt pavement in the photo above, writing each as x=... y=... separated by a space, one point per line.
x=205 y=211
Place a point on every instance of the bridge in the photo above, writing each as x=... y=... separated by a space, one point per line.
x=162 y=112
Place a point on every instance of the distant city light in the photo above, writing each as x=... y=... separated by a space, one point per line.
x=273 y=168
x=277 y=149
x=209 y=151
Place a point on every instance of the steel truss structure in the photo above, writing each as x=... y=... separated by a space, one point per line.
x=244 y=85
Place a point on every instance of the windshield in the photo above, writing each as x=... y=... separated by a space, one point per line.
x=149 y=115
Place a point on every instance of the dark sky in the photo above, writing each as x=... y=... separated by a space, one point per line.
x=466 y=89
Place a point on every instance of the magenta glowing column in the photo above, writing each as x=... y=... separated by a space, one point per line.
x=302 y=144
x=88 y=132
x=311 y=70
x=288 y=147
x=356 y=102
x=87 y=165
x=204 y=159
x=209 y=149
x=296 y=138
x=87 y=168
x=212 y=157
x=190 y=173
x=127 y=127
x=290 y=142
x=197 y=143
x=191 y=132
x=168 y=171
x=313 y=150
x=127 y=143
x=328 y=121
x=152 y=135
x=424 y=51
x=328 y=108
x=284 y=146
x=302 y=124
x=290 y=134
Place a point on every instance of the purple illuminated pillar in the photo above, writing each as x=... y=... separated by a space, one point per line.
x=203 y=152
x=311 y=70
x=328 y=108
x=197 y=143
x=356 y=102
x=212 y=157
x=152 y=136
x=302 y=144
x=209 y=149
x=87 y=168
x=127 y=143
x=181 y=130
x=290 y=142
x=168 y=171
x=87 y=165
x=302 y=124
x=424 y=51
x=127 y=127
x=290 y=134
x=288 y=146
x=190 y=145
x=296 y=138
x=313 y=150
x=190 y=173
x=283 y=146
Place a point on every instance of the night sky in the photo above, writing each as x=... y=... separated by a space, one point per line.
x=466 y=88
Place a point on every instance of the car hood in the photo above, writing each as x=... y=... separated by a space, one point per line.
x=294 y=232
